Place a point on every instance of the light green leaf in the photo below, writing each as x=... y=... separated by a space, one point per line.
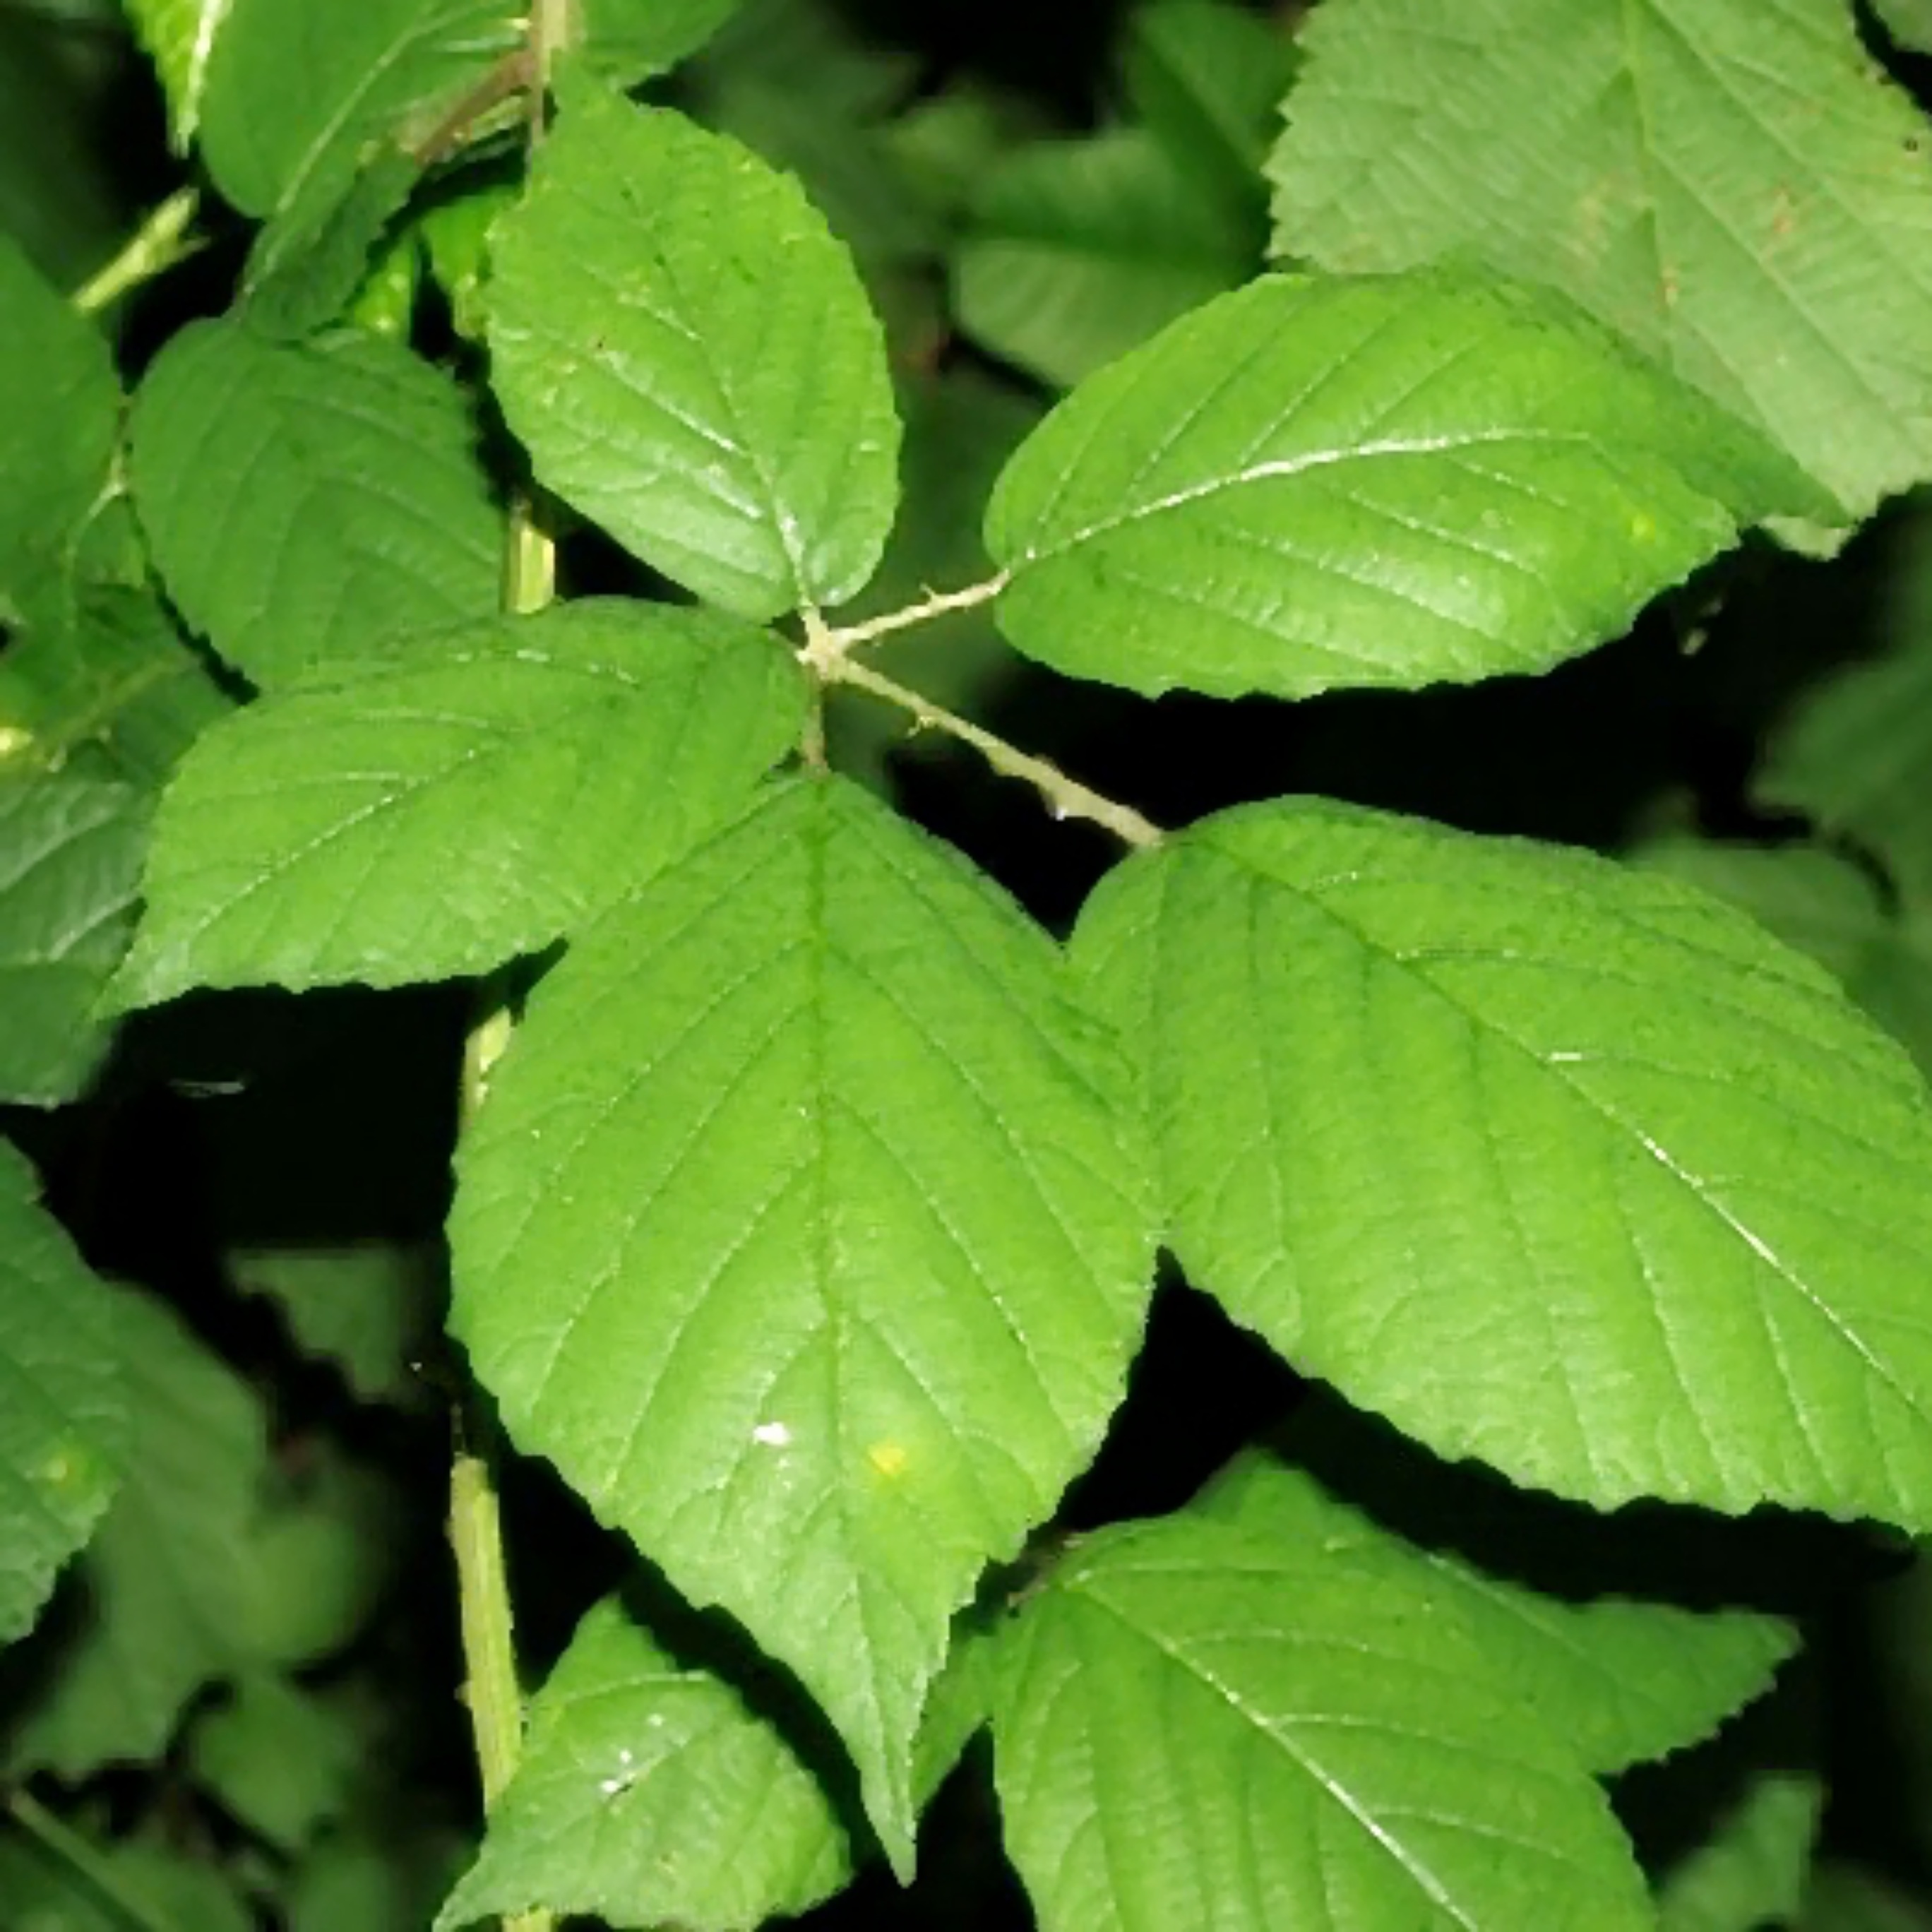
x=312 y=501
x=1208 y=77
x=473 y=795
x=454 y=234
x=1077 y=251
x=1619 y=1680
x=111 y=690
x=280 y=1760
x=69 y=859
x=297 y=92
x=196 y=1572
x=805 y=1230
x=690 y=361
x=60 y=401
x=1554 y=1164
x=1752 y=1872
x=638 y=1773
x=63 y=1407
x=370 y=1307
x=179 y=36
x=1826 y=906
x=1853 y=758
x=1731 y=183
x=1193 y=1726
x=1393 y=480
x=631 y=40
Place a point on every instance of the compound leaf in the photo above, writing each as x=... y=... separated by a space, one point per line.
x=804 y=1229
x=637 y=1769
x=69 y=859
x=1192 y=1726
x=690 y=359
x=309 y=501
x=63 y=1417
x=1554 y=1164
x=1619 y=1679
x=468 y=797
x=1654 y=160
x=1393 y=481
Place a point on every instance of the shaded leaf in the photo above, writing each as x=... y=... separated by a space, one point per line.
x=1394 y=480
x=311 y=502
x=1192 y=1725
x=804 y=1230
x=631 y=40
x=282 y=1762
x=1077 y=251
x=1619 y=1680
x=179 y=36
x=636 y=1774
x=69 y=859
x=1557 y=1164
x=471 y=796
x=63 y=1406
x=690 y=361
x=1753 y=1872
x=1764 y=237
x=47 y=1894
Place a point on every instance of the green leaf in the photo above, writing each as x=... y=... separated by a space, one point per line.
x=1554 y=1164
x=1662 y=162
x=1908 y=22
x=1078 y=251
x=1848 y=1898
x=804 y=1229
x=1828 y=907
x=371 y=1307
x=1852 y=758
x=1394 y=480
x=1194 y=1726
x=111 y=689
x=1752 y=1872
x=63 y=1407
x=282 y=1762
x=631 y=40
x=45 y=1894
x=179 y=37
x=61 y=402
x=311 y=502
x=296 y=93
x=70 y=857
x=473 y=795
x=1208 y=77
x=197 y=1571
x=1618 y=1679
x=690 y=361
x=455 y=233
x=637 y=1774
x=306 y=267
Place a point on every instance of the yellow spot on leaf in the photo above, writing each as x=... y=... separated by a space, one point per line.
x=889 y=1459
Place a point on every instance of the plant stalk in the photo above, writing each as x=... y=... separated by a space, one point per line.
x=84 y=1859
x=160 y=242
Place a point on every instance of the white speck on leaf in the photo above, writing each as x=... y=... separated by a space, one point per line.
x=773 y=1434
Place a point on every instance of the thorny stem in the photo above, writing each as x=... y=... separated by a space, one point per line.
x=160 y=242
x=934 y=604
x=62 y=1842
x=1066 y=797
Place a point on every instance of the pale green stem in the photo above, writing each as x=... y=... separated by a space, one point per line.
x=1066 y=797
x=155 y=246
x=84 y=1859
x=934 y=604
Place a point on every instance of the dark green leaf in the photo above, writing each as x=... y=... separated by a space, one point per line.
x=1393 y=480
x=631 y=40
x=70 y=858
x=312 y=501
x=804 y=1229
x=1191 y=1727
x=63 y=1407
x=689 y=357
x=1555 y=1164
x=636 y=1774
x=1752 y=1871
x=279 y=1760
x=472 y=796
